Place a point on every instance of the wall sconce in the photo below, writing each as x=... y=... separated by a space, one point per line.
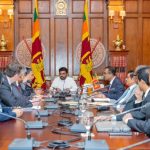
x=117 y=17
x=1 y=11
x=10 y=12
x=116 y=11
x=6 y=16
x=122 y=14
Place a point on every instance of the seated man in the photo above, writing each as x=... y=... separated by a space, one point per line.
x=129 y=92
x=27 y=78
x=8 y=97
x=116 y=88
x=139 y=125
x=8 y=111
x=134 y=102
x=63 y=83
x=140 y=121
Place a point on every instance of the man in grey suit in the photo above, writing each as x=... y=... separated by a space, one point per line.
x=140 y=120
x=11 y=75
x=7 y=110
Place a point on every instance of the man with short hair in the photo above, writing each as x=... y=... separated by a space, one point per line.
x=63 y=83
x=116 y=88
x=140 y=120
x=12 y=75
x=25 y=84
x=129 y=92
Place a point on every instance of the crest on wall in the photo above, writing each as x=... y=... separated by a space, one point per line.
x=98 y=52
x=61 y=7
x=23 y=52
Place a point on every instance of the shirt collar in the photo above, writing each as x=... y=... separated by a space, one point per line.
x=112 y=80
x=9 y=81
x=132 y=86
x=147 y=92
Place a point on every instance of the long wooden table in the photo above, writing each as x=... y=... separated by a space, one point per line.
x=15 y=129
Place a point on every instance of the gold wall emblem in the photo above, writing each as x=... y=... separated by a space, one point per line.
x=61 y=7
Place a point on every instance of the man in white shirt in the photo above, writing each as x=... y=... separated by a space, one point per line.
x=63 y=83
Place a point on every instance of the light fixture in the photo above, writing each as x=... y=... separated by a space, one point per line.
x=111 y=14
x=122 y=14
x=1 y=11
x=10 y=12
x=116 y=11
x=6 y=13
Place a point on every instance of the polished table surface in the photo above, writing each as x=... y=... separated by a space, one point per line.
x=15 y=129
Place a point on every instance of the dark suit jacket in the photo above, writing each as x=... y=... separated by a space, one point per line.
x=141 y=115
x=26 y=89
x=9 y=98
x=141 y=125
x=129 y=105
x=7 y=111
x=116 y=89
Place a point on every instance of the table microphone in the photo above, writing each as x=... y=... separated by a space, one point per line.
x=91 y=144
x=42 y=113
x=38 y=124
x=22 y=143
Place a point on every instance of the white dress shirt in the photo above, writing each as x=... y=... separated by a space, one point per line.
x=111 y=82
x=146 y=92
x=0 y=108
x=68 y=83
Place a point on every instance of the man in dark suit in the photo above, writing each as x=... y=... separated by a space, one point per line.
x=140 y=120
x=7 y=110
x=8 y=97
x=25 y=84
x=116 y=88
x=134 y=102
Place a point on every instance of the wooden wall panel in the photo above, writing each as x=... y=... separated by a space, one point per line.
x=96 y=24
x=137 y=32
x=25 y=6
x=61 y=44
x=131 y=38
x=77 y=31
x=45 y=38
x=25 y=28
x=146 y=6
x=44 y=6
x=96 y=6
x=77 y=6
x=131 y=6
x=146 y=41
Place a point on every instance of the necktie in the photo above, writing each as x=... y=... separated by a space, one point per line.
x=123 y=96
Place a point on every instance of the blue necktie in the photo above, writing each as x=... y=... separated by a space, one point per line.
x=123 y=96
